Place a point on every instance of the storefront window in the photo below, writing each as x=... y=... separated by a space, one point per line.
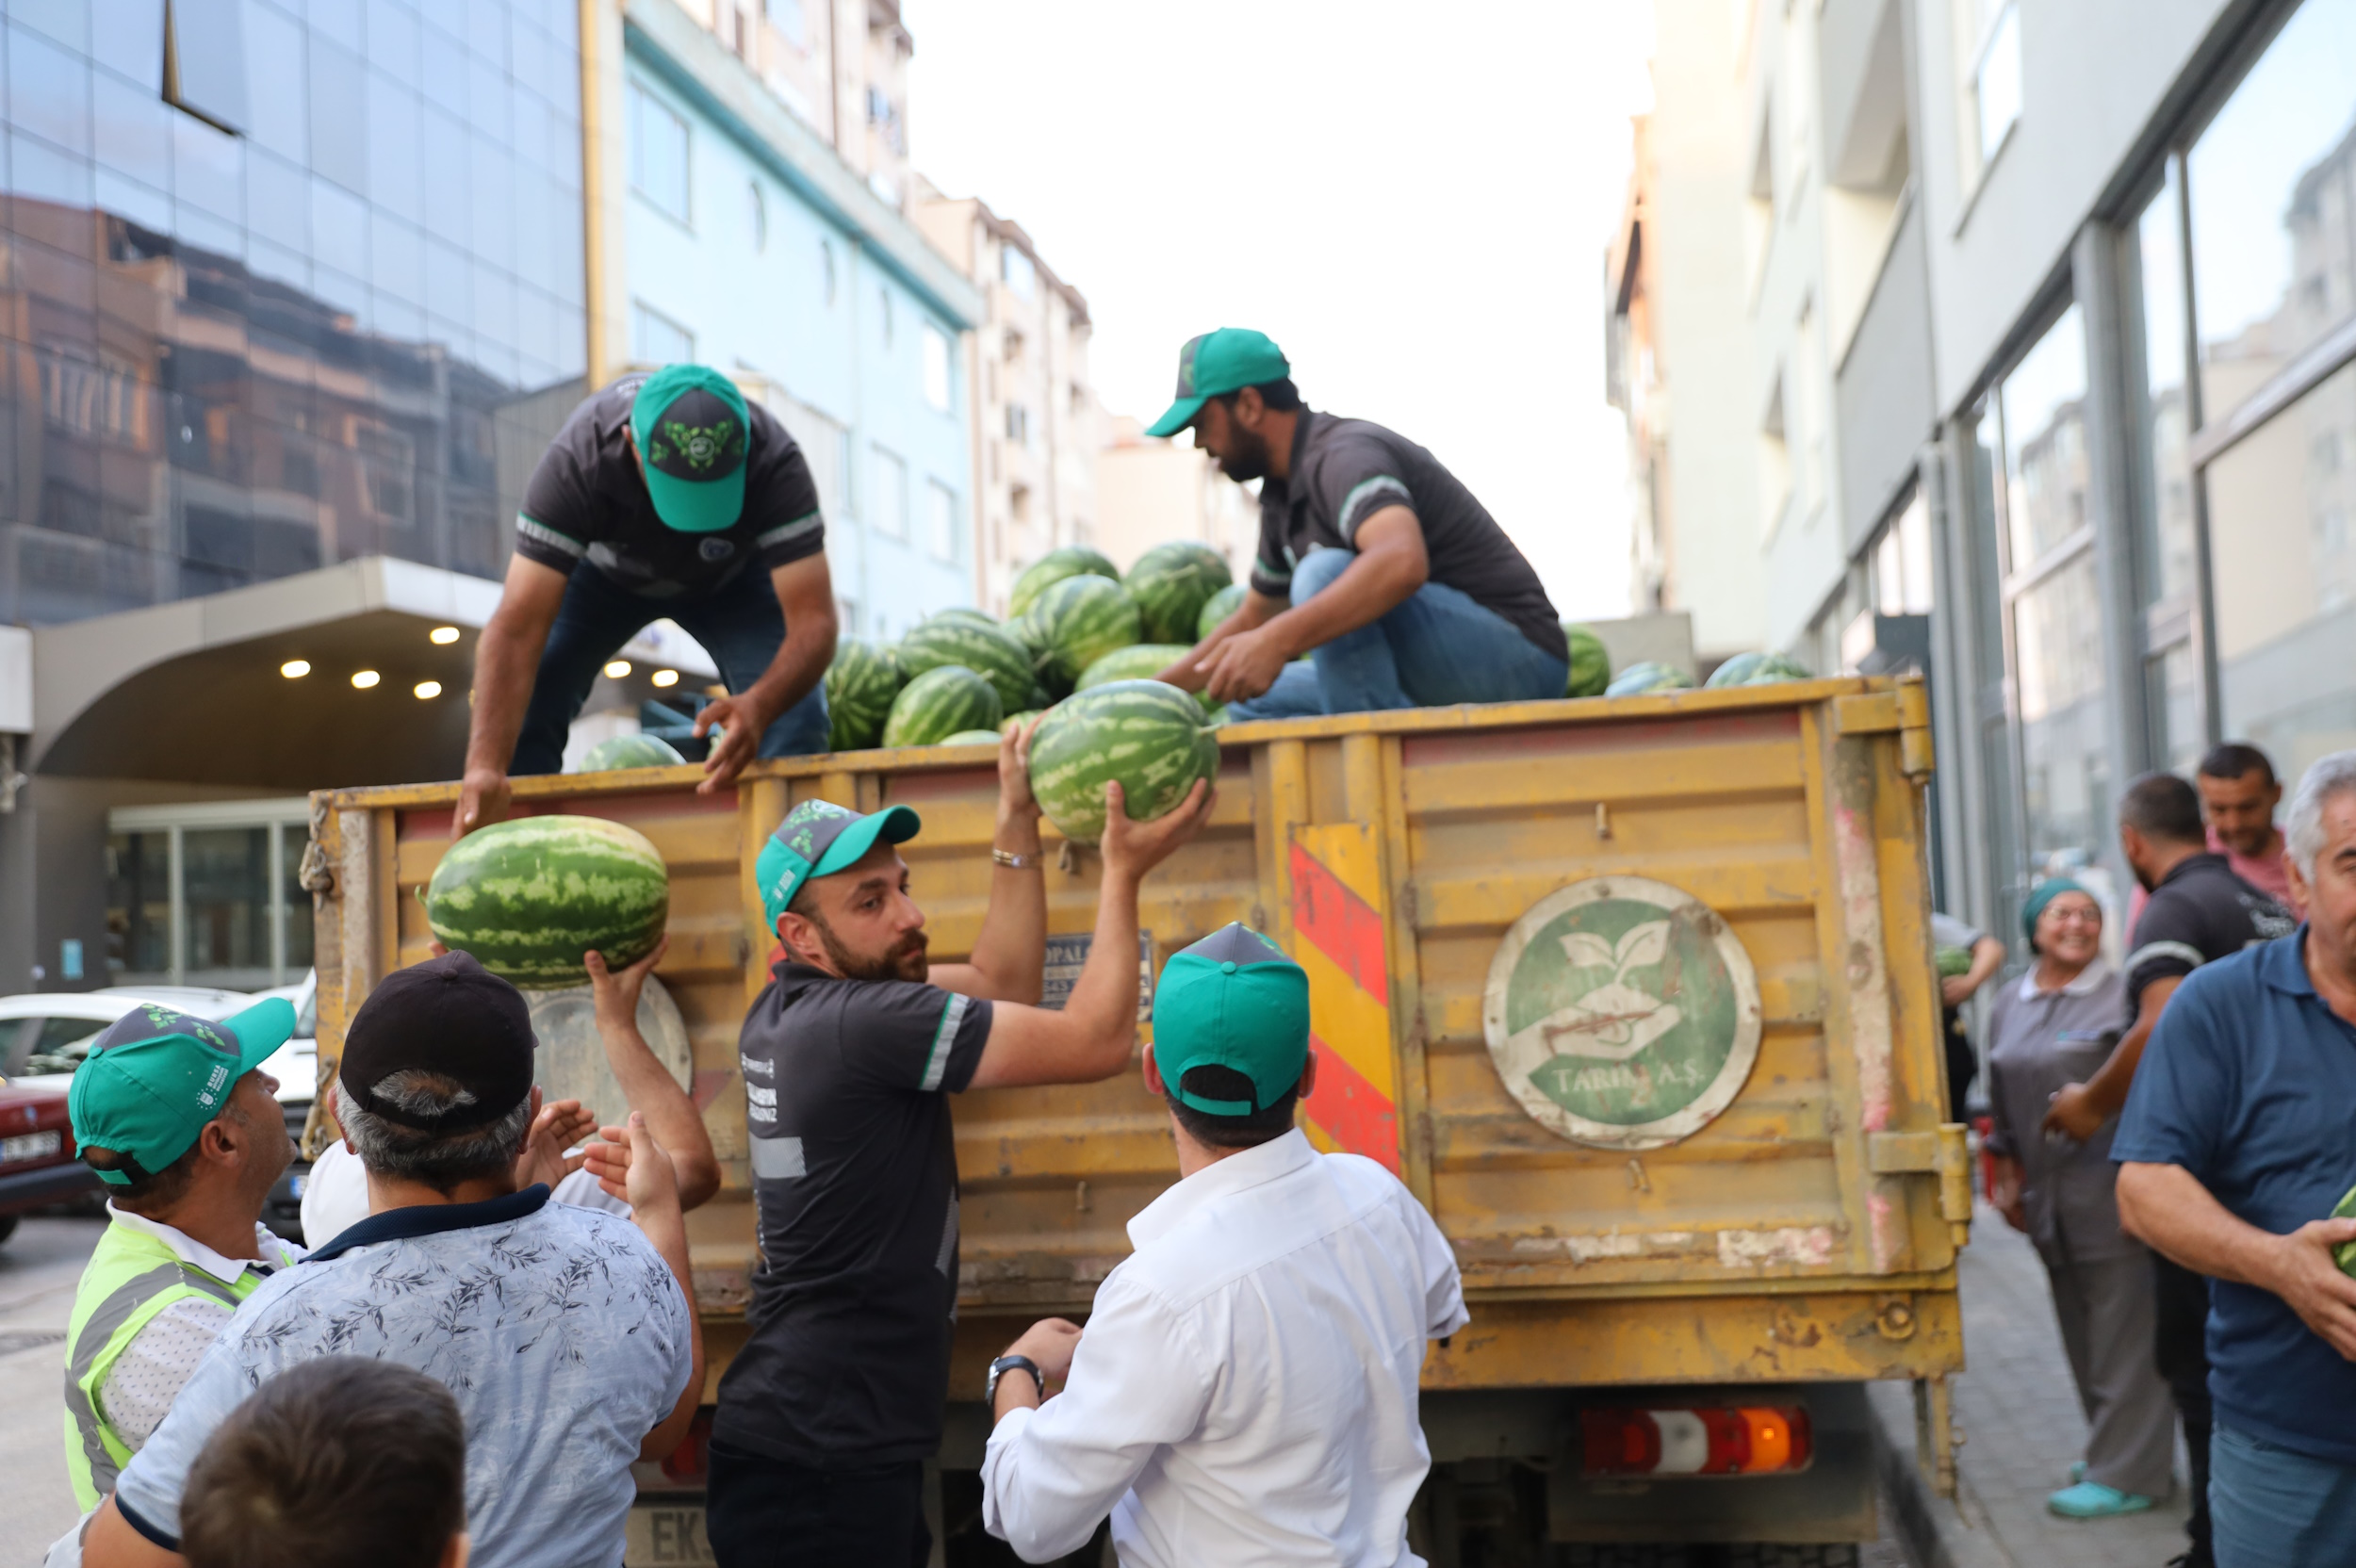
x=2045 y=443
x=2166 y=531
x=2282 y=503
x=225 y=884
x=207 y=894
x=138 y=903
x=2273 y=182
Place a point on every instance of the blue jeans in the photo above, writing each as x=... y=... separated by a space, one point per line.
x=739 y=625
x=1433 y=649
x=2274 y=1507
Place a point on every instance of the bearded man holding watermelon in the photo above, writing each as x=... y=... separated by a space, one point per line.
x=1375 y=562
x=830 y=1411
x=663 y=496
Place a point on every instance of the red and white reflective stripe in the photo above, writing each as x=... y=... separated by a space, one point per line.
x=1706 y=1439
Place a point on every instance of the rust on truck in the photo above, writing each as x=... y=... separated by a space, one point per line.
x=1735 y=878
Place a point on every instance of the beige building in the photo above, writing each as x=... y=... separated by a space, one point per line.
x=840 y=65
x=1149 y=491
x=1037 y=423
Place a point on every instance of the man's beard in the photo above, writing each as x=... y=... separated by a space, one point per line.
x=1248 y=458
x=904 y=961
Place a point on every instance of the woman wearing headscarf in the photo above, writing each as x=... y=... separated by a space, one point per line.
x=2052 y=1027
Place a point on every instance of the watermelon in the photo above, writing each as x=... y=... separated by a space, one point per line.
x=940 y=703
x=1032 y=633
x=1144 y=662
x=1952 y=961
x=985 y=650
x=1217 y=608
x=1172 y=584
x=971 y=737
x=2345 y=1253
x=1734 y=672
x=1646 y=676
x=1151 y=737
x=1016 y=721
x=963 y=616
x=1590 y=665
x=860 y=686
x=1081 y=619
x=1778 y=666
x=630 y=751
x=529 y=896
x=1051 y=568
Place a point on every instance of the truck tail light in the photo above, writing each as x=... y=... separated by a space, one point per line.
x=1714 y=1440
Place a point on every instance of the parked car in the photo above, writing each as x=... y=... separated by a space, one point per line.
x=38 y=1167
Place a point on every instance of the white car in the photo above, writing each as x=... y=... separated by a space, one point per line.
x=44 y=1035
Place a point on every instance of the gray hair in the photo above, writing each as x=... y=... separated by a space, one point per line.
x=2328 y=778
x=408 y=1154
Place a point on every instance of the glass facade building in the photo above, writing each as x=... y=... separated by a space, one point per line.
x=283 y=284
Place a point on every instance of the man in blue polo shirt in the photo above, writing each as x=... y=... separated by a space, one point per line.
x=2234 y=1148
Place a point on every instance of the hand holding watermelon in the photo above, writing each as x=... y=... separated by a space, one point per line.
x=1133 y=848
x=1015 y=801
x=615 y=991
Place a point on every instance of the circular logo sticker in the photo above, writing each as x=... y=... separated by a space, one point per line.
x=1621 y=1012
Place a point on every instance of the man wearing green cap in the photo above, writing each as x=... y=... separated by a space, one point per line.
x=833 y=1404
x=1374 y=560
x=179 y=1121
x=665 y=495
x=1246 y=1391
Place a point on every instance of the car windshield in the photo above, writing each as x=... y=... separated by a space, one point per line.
x=62 y=1044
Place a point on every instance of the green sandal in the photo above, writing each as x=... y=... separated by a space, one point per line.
x=2093 y=1500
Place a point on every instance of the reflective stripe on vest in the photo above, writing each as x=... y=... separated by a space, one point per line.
x=125 y=1285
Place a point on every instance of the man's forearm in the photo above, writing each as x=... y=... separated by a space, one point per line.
x=506 y=661
x=1011 y=950
x=2107 y=1090
x=670 y=1113
x=667 y=1231
x=1105 y=998
x=800 y=665
x=1368 y=589
x=1256 y=611
x=2166 y=1207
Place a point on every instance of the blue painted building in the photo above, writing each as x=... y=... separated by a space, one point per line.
x=747 y=244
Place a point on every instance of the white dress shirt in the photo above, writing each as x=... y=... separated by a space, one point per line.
x=1245 y=1392
x=335 y=1194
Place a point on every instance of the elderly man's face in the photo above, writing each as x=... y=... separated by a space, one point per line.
x=2329 y=894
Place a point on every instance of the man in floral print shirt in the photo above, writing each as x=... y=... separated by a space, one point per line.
x=568 y=1335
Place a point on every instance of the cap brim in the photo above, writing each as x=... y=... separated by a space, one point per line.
x=696 y=506
x=894 y=825
x=1181 y=415
x=261 y=1029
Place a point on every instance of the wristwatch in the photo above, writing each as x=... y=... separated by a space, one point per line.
x=1011 y=1363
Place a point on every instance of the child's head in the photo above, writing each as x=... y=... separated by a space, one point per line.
x=343 y=1462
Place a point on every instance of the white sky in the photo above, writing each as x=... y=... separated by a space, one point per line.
x=1416 y=212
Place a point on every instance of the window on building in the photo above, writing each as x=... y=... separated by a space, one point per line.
x=1775 y=461
x=659 y=154
x=1018 y=424
x=755 y=216
x=1017 y=272
x=888 y=503
x=205 y=62
x=207 y=894
x=786 y=17
x=941 y=532
x=1812 y=401
x=936 y=368
x=2166 y=540
x=883 y=314
x=656 y=339
x=1900 y=563
x=825 y=271
x=1987 y=39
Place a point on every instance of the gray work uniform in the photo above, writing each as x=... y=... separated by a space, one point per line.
x=2040 y=1040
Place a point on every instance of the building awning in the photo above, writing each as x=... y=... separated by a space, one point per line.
x=198 y=690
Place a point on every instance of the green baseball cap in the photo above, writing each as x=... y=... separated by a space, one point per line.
x=694 y=434
x=1232 y=1000
x=1218 y=362
x=818 y=838
x=157 y=1076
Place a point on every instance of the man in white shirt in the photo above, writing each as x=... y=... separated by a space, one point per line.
x=1245 y=1392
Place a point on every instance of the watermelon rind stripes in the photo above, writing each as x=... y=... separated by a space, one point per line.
x=630 y=751
x=1016 y=721
x=971 y=737
x=1051 y=568
x=965 y=615
x=1151 y=737
x=1145 y=662
x=984 y=649
x=862 y=684
x=527 y=897
x=1591 y=663
x=1080 y=620
x=940 y=703
x=1171 y=583
x=1217 y=608
x=1646 y=676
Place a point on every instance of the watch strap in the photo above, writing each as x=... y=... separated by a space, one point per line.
x=1015 y=862
x=1012 y=1364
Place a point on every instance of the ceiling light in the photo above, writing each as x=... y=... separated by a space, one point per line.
x=427 y=689
x=365 y=678
x=618 y=669
x=665 y=677
x=441 y=636
x=295 y=669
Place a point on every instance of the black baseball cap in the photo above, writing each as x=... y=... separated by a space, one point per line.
x=450 y=1016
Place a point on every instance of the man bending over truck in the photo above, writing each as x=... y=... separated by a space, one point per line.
x=1246 y=1392
x=1374 y=561
x=830 y=1411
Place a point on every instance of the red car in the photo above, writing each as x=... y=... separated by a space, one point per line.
x=38 y=1165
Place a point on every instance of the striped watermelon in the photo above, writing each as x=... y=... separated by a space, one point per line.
x=971 y=737
x=1144 y=662
x=1217 y=608
x=968 y=616
x=529 y=896
x=1151 y=737
x=630 y=751
x=1590 y=665
x=1051 y=568
x=1647 y=675
x=860 y=686
x=1080 y=620
x=1172 y=584
x=939 y=704
x=1031 y=632
x=1016 y=721
x=985 y=650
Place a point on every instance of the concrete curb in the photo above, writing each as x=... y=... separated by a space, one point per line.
x=1938 y=1533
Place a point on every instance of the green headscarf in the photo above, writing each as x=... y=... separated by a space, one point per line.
x=2042 y=895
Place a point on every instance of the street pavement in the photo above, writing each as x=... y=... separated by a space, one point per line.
x=39 y=1268
x=2022 y=1427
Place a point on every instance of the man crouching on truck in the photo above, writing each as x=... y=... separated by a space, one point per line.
x=828 y=1412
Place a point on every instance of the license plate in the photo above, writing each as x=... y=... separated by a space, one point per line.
x=31 y=1146
x=660 y=1534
